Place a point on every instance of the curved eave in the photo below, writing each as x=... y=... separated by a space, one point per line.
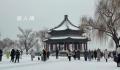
x=62 y=30
x=64 y=39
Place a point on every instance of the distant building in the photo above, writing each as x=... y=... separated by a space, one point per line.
x=66 y=36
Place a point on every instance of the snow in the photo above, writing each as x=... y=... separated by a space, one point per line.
x=65 y=37
x=67 y=25
x=57 y=64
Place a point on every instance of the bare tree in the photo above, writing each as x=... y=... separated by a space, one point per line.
x=107 y=19
x=27 y=38
x=6 y=43
x=42 y=35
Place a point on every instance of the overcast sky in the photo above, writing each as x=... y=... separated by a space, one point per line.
x=48 y=13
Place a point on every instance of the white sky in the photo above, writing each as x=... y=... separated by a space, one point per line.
x=48 y=13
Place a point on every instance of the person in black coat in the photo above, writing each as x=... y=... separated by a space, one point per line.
x=74 y=54
x=57 y=52
x=85 y=55
x=1 y=53
x=95 y=54
x=17 y=56
x=78 y=54
x=48 y=54
x=12 y=54
x=44 y=55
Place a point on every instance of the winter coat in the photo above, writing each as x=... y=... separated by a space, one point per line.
x=12 y=54
x=95 y=53
x=78 y=53
x=89 y=55
x=86 y=54
x=1 y=52
x=32 y=53
x=69 y=53
x=106 y=53
x=17 y=54
x=98 y=54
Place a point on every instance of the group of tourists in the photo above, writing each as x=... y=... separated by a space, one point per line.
x=15 y=55
x=89 y=55
x=75 y=54
x=96 y=54
x=44 y=55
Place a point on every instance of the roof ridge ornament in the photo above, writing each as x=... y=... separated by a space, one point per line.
x=65 y=17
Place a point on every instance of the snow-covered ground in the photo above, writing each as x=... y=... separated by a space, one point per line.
x=57 y=64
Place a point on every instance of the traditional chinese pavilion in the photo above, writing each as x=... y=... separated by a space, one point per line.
x=66 y=36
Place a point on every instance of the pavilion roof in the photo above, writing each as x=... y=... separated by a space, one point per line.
x=66 y=24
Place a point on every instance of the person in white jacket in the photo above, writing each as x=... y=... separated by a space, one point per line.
x=106 y=53
x=118 y=54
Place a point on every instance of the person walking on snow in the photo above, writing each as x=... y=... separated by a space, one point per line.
x=12 y=54
x=106 y=53
x=17 y=56
x=48 y=54
x=69 y=54
x=78 y=54
x=57 y=52
x=32 y=53
x=44 y=55
x=89 y=55
x=118 y=56
x=74 y=54
x=1 y=53
x=95 y=54
x=98 y=55
x=85 y=55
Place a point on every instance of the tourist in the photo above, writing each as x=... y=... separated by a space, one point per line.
x=74 y=54
x=57 y=52
x=17 y=56
x=114 y=53
x=1 y=53
x=95 y=54
x=48 y=54
x=12 y=54
x=78 y=54
x=44 y=55
x=118 y=56
x=89 y=55
x=85 y=55
x=106 y=53
x=69 y=54
x=98 y=55
x=92 y=55
x=32 y=53
x=7 y=54
x=21 y=53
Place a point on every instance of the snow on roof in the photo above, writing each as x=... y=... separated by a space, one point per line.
x=66 y=24
x=65 y=37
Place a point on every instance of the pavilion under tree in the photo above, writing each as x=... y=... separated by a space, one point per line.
x=66 y=36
